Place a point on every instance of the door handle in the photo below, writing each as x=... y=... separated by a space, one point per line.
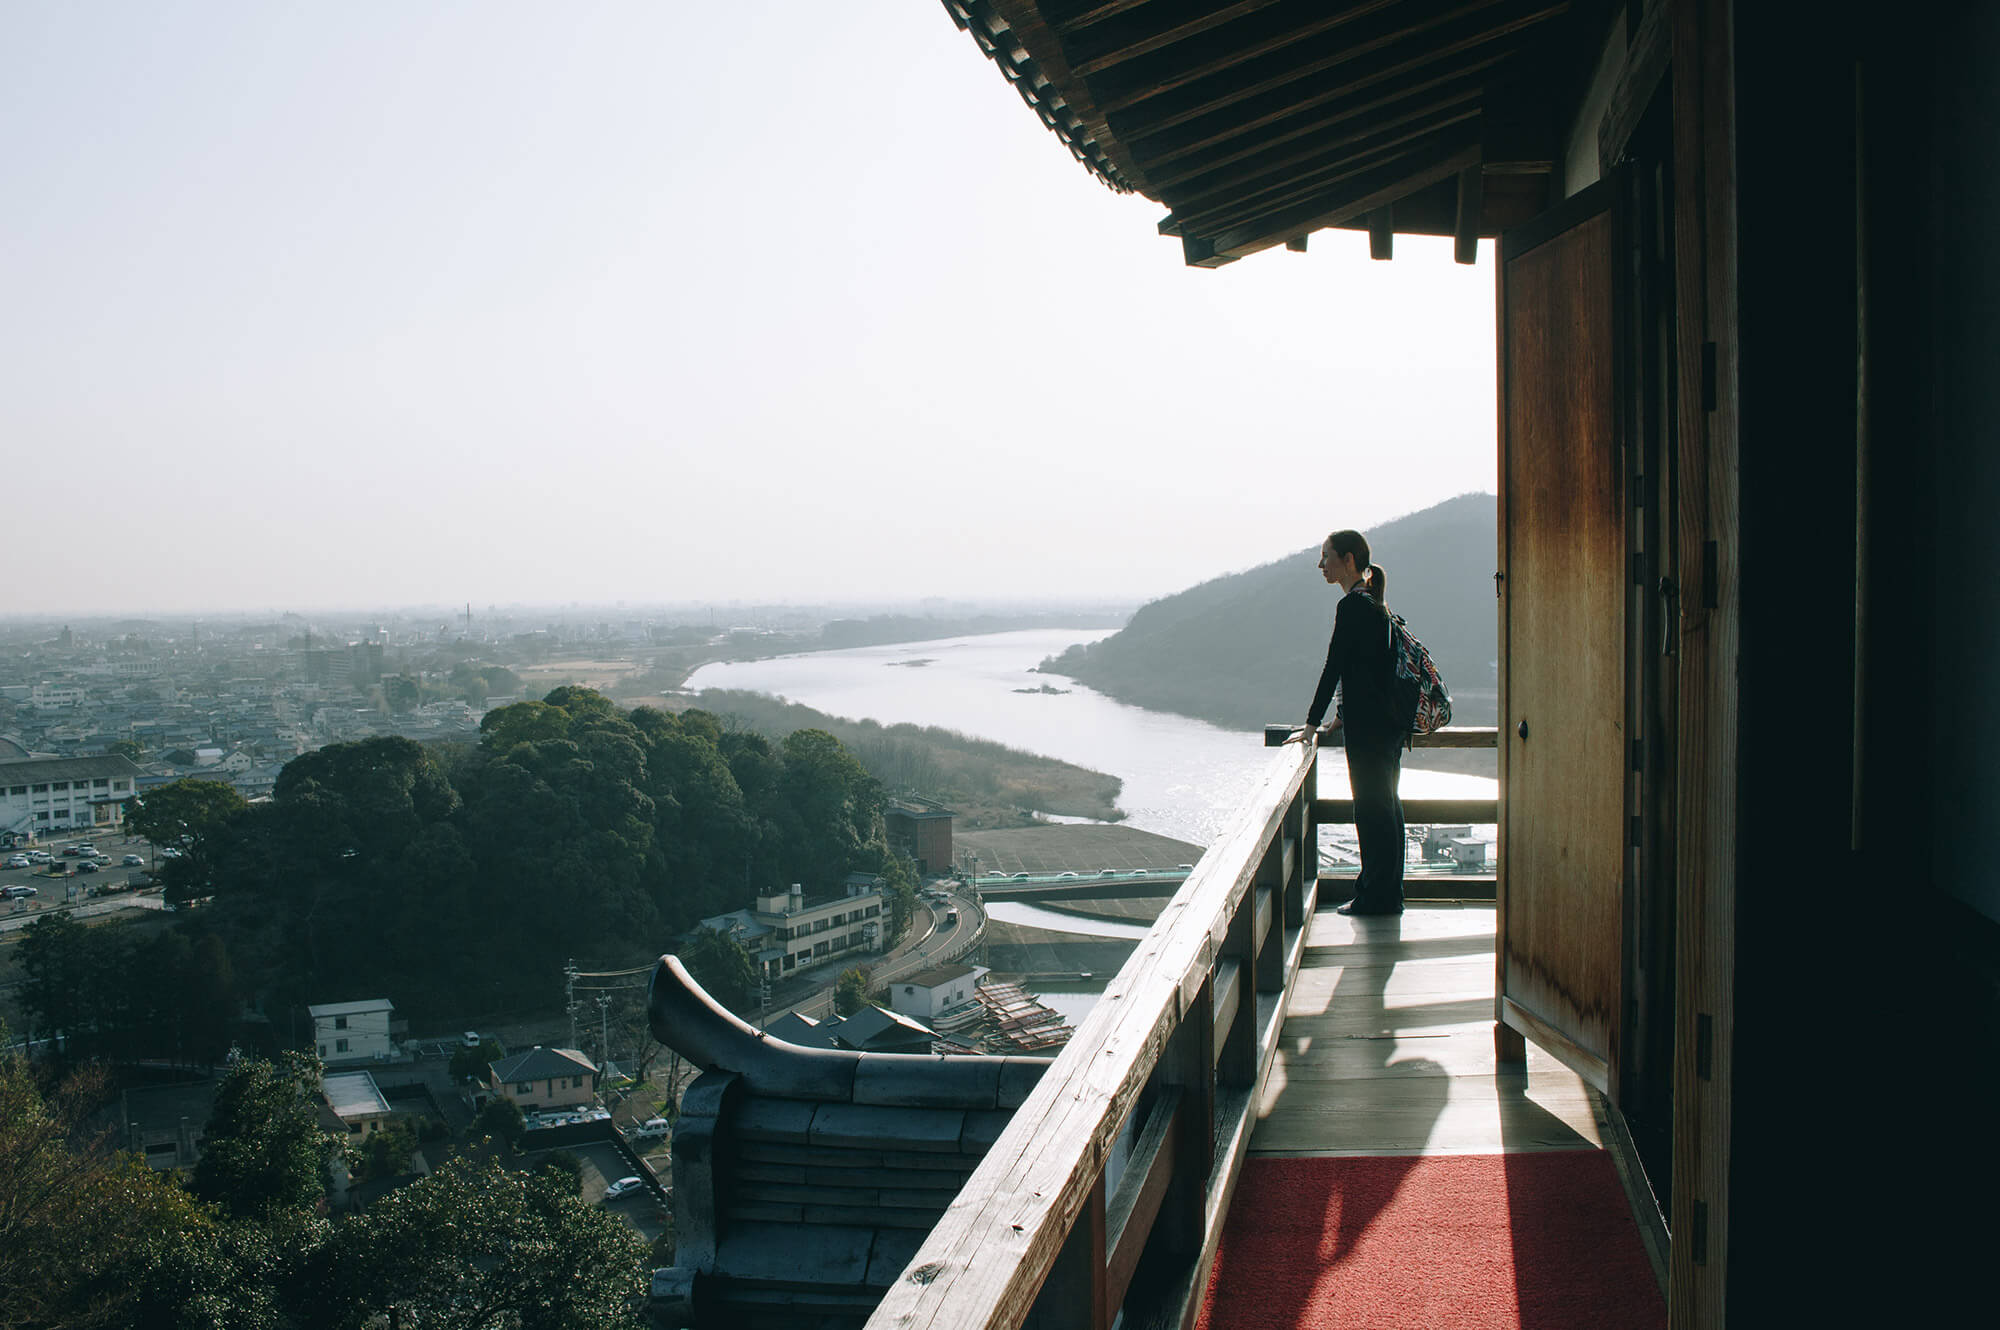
x=1522 y=729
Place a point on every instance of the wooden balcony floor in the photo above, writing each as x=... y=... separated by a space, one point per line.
x=1387 y=1049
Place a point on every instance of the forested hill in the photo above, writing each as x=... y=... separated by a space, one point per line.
x=1245 y=650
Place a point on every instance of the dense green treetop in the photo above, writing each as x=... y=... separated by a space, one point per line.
x=573 y=829
x=178 y=812
x=722 y=967
x=476 y=1247
x=263 y=1153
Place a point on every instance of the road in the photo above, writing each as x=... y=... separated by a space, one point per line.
x=929 y=947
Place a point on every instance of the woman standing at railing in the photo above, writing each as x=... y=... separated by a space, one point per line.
x=1359 y=664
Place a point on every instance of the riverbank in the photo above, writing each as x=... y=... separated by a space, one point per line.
x=987 y=784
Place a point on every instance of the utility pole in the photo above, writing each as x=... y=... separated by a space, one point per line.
x=569 y=997
x=604 y=1033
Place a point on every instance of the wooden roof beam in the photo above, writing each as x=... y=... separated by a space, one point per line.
x=1120 y=42
x=1471 y=197
x=1029 y=31
x=1372 y=190
x=1325 y=47
x=1302 y=172
x=1251 y=39
x=1382 y=233
x=1233 y=208
x=1390 y=86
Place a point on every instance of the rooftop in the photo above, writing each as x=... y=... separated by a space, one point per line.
x=540 y=1063
x=25 y=770
x=942 y=974
x=350 y=1008
x=354 y=1094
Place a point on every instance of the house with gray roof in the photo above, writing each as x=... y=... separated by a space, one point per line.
x=544 y=1078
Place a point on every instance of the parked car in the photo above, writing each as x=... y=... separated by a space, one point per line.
x=1107 y=872
x=20 y=893
x=71 y=851
x=622 y=1187
x=17 y=861
x=651 y=1129
x=40 y=857
x=88 y=866
x=134 y=861
x=1020 y=877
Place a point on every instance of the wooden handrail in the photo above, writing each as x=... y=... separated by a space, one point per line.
x=1124 y=1156
x=1451 y=736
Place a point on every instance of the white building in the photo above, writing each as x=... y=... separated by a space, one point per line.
x=929 y=994
x=785 y=933
x=43 y=795
x=353 y=1031
x=357 y=1101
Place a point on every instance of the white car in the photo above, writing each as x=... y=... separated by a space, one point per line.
x=622 y=1187
x=650 y=1130
x=40 y=857
x=17 y=861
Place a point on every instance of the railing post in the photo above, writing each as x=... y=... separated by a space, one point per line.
x=1237 y=1060
x=1073 y=1297
x=1189 y=1065
x=1303 y=831
x=1309 y=798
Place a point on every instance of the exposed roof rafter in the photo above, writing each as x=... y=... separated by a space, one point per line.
x=1258 y=121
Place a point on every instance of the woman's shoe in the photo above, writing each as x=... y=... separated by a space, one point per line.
x=1359 y=906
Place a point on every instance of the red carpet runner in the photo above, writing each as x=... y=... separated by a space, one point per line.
x=1533 y=1241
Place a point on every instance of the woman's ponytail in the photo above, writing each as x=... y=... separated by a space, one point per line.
x=1378 y=582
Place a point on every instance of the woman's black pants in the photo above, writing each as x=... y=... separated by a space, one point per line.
x=1374 y=767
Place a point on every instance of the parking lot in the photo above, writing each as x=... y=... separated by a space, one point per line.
x=64 y=881
x=603 y=1165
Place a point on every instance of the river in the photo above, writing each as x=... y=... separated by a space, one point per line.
x=1182 y=777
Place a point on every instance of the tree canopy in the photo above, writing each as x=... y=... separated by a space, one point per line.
x=574 y=829
x=176 y=813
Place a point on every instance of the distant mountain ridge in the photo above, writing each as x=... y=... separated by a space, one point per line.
x=1245 y=650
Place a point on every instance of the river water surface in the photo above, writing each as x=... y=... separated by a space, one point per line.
x=1182 y=778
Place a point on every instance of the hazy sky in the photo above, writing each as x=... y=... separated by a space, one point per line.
x=338 y=304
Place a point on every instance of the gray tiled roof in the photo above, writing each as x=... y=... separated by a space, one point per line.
x=35 y=770
x=540 y=1064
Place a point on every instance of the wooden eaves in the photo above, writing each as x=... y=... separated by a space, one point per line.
x=1257 y=122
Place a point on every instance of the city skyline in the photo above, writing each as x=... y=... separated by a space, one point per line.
x=323 y=312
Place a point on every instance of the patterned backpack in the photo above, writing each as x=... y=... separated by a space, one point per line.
x=1421 y=697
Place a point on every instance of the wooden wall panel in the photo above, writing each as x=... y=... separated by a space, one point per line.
x=1560 y=952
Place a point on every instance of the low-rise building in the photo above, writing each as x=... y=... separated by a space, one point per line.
x=353 y=1031
x=786 y=932
x=929 y=994
x=544 y=1078
x=357 y=1101
x=39 y=796
x=920 y=828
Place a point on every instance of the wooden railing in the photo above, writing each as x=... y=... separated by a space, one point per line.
x=1106 y=1192
x=1485 y=812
